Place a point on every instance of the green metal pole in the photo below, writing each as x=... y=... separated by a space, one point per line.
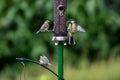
x=60 y=60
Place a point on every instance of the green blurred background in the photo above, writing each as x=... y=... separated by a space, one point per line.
x=94 y=57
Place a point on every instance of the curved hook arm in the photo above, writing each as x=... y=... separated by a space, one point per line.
x=29 y=60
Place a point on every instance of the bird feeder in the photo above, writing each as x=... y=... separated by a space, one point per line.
x=60 y=30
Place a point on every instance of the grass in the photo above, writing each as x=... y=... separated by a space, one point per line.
x=98 y=71
x=102 y=70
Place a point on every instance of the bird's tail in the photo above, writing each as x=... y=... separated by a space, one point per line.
x=37 y=31
x=71 y=40
x=49 y=64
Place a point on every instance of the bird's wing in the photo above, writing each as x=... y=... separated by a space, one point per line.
x=46 y=59
x=43 y=27
x=79 y=28
x=43 y=60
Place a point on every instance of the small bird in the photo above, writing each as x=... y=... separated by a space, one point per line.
x=72 y=28
x=44 y=60
x=44 y=27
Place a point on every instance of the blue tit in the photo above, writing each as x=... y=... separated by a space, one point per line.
x=72 y=28
x=44 y=60
x=44 y=27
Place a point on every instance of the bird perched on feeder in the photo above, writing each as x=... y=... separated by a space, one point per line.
x=44 y=27
x=44 y=60
x=72 y=28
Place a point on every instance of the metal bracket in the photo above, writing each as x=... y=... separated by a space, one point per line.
x=59 y=38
